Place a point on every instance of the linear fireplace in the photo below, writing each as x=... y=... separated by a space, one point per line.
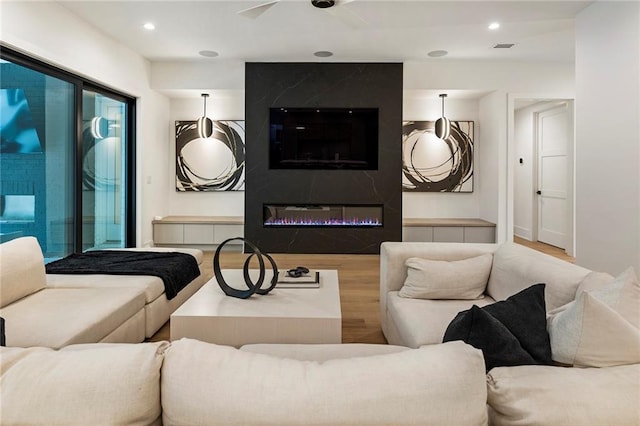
x=308 y=215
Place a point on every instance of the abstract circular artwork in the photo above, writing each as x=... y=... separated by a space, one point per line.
x=431 y=164
x=210 y=164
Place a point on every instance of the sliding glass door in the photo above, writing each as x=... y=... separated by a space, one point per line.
x=104 y=148
x=66 y=159
x=36 y=158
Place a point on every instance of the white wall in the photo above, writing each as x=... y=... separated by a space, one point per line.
x=213 y=74
x=608 y=136
x=153 y=154
x=437 y=74
x=492 y=184
x=489 y=75
x=477 y=77
x=48 y=31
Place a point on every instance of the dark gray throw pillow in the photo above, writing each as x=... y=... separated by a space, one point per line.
x=2 y=339
x=510 y=332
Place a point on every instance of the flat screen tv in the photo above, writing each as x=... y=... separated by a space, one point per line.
x=323 y=138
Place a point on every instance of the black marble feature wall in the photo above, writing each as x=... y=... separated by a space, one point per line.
x=323 y=85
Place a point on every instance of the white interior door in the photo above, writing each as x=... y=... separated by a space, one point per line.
x=554 y=136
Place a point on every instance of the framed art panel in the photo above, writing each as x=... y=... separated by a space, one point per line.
x=430 y=164
x=210 y=164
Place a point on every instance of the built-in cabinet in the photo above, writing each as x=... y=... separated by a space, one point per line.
x=208 y=231
x=449 y=230
x=197 y=230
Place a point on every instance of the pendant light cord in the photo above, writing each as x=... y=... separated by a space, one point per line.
x=204 y=100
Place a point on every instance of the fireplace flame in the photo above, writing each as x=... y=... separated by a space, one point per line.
x=322 y=222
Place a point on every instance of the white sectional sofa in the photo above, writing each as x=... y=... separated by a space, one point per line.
x=58 y=310
x=592 y=318
x=415 y=322
x=194 y=383
x=189 y=382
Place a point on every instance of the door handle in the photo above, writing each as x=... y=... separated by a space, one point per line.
x=539 y=192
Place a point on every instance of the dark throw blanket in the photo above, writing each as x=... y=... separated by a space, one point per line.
x=176 y=269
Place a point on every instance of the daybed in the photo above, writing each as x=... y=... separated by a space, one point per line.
x=58 y=310
x=588 y=320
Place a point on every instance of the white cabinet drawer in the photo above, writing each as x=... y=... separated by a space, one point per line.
x=448 y=234
x=224 y=232
x=198 y=233
x=479 y=234
x=168 y=233
x=417 y=233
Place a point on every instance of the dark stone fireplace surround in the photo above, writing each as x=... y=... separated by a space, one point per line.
x=323 y=85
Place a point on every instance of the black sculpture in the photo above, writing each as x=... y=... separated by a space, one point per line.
x=252 y=287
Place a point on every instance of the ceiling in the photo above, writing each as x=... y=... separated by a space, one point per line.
x=358 y=30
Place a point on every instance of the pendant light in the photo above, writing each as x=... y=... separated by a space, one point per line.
x=205 y=125
x=443 y=125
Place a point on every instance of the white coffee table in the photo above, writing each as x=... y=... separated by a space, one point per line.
x=307 y=315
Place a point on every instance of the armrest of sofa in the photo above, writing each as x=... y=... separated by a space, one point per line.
x=393 y=255
x=21 y=269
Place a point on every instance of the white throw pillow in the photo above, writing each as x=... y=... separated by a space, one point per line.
x=600 y=328
x=88 y=384
x=205 y=384
x=440 y=279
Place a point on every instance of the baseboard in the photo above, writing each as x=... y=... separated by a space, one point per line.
x=521 y=232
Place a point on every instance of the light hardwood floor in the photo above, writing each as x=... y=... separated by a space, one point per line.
x=359 y=276
x=545 y=248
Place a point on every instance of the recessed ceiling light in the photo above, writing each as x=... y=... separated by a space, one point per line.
x=437 y=53
x=494 y=25
x=208 y=53
x=149 y=26
x=323 y=53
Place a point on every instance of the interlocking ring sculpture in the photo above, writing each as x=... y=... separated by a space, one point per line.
x=251 y=286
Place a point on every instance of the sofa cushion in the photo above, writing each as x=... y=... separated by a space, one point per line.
x=83 y=384
x=58 y=317
x=516 y=267
x=423 y=322
x=439 y=279
x=601 y=327
x=509 y=332
x=321 y=352
x=153 y=287
x=545 y=395
x=22 y=266
x=202 y=381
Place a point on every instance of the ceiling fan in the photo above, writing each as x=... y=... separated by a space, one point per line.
x=332 y=7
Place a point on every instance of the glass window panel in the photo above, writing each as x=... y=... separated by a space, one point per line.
x=36 y=158
x=104 y=142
